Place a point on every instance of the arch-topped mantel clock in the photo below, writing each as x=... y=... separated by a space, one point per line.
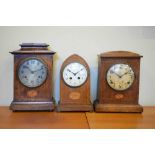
x=33 y=65
x=75 y=85
x=118 y=82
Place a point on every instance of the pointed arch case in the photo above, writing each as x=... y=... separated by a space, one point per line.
x=75 y=85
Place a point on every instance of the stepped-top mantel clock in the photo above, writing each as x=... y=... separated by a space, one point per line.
x=75 y=85
x=118 y=82
x=33 y=78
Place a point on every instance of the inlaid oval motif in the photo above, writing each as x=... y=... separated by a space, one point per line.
x=119 y=96
x=74 y=95
x=32 y=93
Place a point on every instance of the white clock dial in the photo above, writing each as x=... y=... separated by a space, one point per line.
x=120 y=76
x=32 y=72
x=75 y=74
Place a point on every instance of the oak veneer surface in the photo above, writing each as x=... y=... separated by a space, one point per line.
x=146 y=120
x=39 y=120
x=70 y=120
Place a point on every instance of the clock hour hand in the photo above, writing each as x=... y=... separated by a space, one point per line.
x=27 y=68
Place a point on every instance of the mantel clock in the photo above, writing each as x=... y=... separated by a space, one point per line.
x=33 y=78
x=118 y=82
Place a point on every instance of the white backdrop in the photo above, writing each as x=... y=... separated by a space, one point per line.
x=85 y=41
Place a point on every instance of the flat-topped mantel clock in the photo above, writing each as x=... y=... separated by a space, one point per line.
x=75 y=85
x=118 y=82
x=33 y=78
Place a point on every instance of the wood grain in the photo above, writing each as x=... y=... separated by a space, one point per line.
x=80 y=120
x=38 y=98
x=106 y=95
x=145 y=120
x=41 y=120
x=67 y=102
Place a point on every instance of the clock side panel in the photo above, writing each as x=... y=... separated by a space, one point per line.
x=41 y=93
x=99 y=82
x=109 y=95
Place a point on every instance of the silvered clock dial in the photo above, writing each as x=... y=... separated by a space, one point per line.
x=75 y=74
x=32 y=72
x=120 y=77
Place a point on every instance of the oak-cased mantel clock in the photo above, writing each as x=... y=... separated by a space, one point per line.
x=118 y=82
x=75 y=85
x=33 y=78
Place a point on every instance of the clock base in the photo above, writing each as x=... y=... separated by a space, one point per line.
x=124 y=108
x=74 y=107
x=32 y=106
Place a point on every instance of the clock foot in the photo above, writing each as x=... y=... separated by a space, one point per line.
x=74 y=107
x=124 y=108
x=32 y=106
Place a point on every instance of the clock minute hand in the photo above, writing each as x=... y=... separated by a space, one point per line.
x=125 y=73
x=27 y=68
x=117 y=74
x=79 y=71
x=71 y=72
x=37 y=70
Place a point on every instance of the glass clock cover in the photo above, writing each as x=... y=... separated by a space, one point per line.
x=32 y=72
x=120 y=77
x=75 y=74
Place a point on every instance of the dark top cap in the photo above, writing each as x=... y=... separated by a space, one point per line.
x=34 y=45
x=120 y=54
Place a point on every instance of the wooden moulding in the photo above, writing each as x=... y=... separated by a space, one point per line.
x=75 y=107
x=122 y=108
x=32 y=106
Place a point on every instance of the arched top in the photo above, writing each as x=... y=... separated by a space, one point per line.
x=74 y=58
x=119 y=54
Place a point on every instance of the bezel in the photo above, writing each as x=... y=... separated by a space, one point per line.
x=27 y=59
x=80 y=64
x=115 y=88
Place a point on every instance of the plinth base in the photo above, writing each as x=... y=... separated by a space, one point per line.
x=124 y=108
x=74 y=107
x=32 y=106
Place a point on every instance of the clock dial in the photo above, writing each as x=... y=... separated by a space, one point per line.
x=32 y=72
x=75 y=74
x=120 y=76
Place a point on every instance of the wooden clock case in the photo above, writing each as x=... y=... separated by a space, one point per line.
x=75 y=98
x=110 y=100
x=38 y=98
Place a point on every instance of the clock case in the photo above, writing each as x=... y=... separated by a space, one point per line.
x=38 y=98
x=110 y=100
x=74 y=98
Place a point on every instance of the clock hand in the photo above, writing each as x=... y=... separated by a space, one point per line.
x=79 y=71
x=125 y=73
x=71 y=72
x=37 y=70
x=117 y=74
x=27 y=68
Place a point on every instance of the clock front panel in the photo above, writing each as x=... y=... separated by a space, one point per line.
x=119 y=80
x=74 y=84
x=33 y=76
